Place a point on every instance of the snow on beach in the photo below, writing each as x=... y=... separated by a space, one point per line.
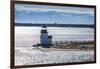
x=36 y=56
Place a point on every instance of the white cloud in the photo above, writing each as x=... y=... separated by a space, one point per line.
x=75 y=10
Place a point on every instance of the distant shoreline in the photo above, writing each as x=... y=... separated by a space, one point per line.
x=55 y=25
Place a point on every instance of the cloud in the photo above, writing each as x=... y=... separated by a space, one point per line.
x=38 y=8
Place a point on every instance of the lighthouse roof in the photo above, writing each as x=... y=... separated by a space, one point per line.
x=44 y=26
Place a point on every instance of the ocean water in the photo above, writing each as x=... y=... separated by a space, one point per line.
x=27 y=36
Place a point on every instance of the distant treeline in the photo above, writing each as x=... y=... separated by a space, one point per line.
x=56 y=25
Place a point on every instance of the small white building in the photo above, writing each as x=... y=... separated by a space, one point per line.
x=46 y=41
x=50 y=40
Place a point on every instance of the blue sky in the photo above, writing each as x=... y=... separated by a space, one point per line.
x=25 y=13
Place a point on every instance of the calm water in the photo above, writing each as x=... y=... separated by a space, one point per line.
x=27 y=36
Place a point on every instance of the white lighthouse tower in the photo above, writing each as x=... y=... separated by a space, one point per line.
x=44 y=36
x=46 y=41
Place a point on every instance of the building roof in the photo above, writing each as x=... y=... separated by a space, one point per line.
x=50 y=36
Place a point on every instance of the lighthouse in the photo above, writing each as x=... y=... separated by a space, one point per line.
x=45 y=40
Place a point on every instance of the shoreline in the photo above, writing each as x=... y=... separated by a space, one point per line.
x=70 y=45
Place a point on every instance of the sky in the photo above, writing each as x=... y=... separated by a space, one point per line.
x=25 y=13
